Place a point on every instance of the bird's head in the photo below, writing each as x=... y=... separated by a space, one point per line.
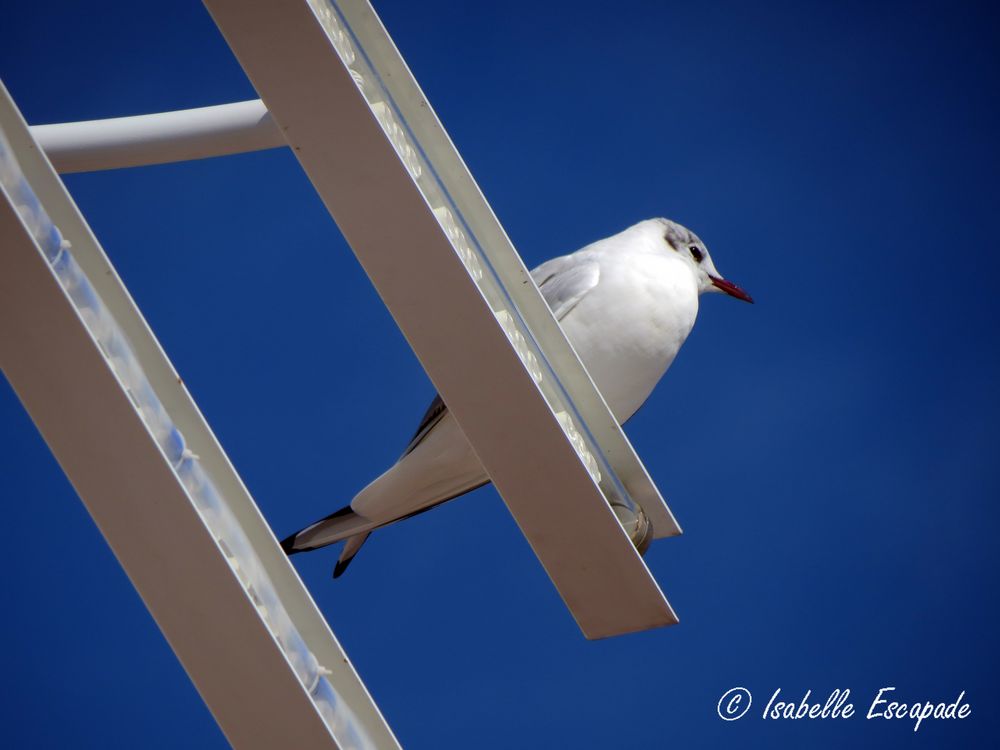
x=687 y=245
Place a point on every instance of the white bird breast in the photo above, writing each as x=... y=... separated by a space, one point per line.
x=630 y=327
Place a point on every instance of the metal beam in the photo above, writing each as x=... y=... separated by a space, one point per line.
x=395 y=185
x=95 y=381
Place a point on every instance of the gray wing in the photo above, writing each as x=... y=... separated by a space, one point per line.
x=563 y=282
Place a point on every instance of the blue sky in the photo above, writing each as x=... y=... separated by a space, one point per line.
x=830 y=452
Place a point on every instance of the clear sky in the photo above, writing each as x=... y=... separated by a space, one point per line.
x=830 y=452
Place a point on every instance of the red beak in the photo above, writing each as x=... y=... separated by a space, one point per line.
x=731 y=289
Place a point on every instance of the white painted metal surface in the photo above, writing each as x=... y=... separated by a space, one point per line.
x=98 y=386
x=404 y=200
x=158 y=138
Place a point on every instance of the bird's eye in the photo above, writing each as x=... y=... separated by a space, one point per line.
x=697 y=254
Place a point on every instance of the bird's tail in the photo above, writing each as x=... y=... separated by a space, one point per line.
x=344 y=524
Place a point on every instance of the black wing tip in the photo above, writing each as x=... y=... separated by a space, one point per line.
x=288 y=545
x=352 y=547
x=341 y=566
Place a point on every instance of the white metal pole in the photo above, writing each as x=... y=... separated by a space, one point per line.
x=93 y=145
x=397 y=188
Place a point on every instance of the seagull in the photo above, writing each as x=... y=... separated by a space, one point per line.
x=626 y=303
